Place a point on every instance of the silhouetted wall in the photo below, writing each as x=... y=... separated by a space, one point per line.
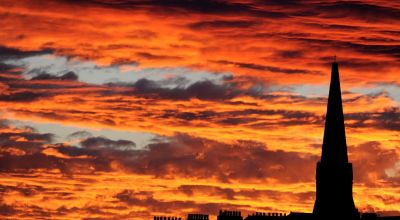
x=166 y=218
x=229 y=215
x=264 y=215
x=197 y=217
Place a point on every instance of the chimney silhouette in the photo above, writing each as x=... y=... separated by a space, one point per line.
x=334 y=176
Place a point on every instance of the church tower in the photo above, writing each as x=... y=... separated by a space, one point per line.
x=334 y=176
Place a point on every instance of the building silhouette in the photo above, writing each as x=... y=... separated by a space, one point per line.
x=334 y=173
x=197 y=217
x=166 y=218
x=264 y=215
x=231 y=215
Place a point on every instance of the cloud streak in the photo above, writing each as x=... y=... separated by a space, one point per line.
x=228 y=88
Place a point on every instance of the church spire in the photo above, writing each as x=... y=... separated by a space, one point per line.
x=334 y=176
x=334 y=148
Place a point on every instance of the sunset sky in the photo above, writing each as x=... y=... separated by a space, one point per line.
x=125 y=109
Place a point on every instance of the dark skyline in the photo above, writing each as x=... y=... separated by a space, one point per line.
x=334 y=174
x=126 y=109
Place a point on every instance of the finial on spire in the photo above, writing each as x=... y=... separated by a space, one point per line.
x=334 y=58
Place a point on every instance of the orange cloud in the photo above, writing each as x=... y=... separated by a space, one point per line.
x=267 y=54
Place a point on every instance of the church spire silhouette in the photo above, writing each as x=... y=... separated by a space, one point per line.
x=334 y=176
x=334 y=147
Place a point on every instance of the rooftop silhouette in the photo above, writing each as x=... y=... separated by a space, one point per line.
x=334 y=173
x=232 y=215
